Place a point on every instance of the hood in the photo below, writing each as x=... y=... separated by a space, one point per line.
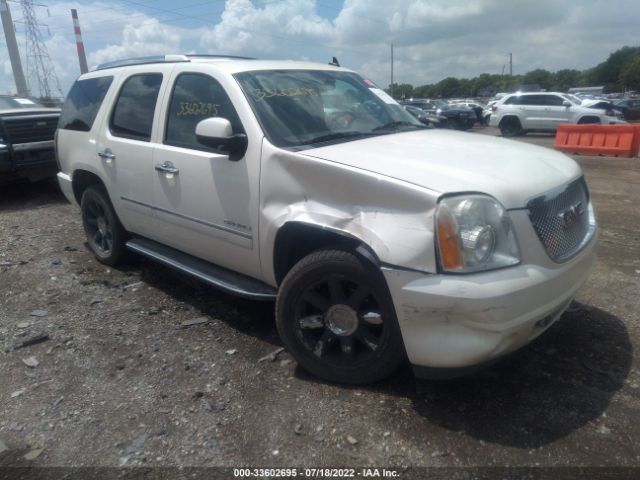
x=447 y=161
x=28 y=111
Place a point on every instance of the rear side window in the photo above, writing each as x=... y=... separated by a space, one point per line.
x=515 y=100
x=533 y=100
x=83 y=102
x=133 y=114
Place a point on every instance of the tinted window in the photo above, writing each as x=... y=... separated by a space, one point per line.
x=83 y=102
x=531 y=100
x=554 y=100
x=133 y=114
x=515 y=100
x=194 y=98
x=541 y=100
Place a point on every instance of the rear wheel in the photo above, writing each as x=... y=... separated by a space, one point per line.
x=335 y=315
x=105 y=234
x=510 y=127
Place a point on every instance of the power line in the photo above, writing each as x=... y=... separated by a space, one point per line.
x=38 y=59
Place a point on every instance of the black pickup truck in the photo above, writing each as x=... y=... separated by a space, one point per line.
x=26 y=139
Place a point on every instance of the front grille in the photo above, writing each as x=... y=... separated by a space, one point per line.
x=32 y=128
x=561 y=219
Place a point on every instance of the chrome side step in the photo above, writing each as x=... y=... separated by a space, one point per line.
x=219 y=277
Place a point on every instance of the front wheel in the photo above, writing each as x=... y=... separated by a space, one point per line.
x=335 y=315
x=105 y=234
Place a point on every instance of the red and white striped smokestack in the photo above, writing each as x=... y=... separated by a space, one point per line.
x=81 y=56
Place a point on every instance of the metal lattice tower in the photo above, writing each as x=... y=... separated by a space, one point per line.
x=39 y=62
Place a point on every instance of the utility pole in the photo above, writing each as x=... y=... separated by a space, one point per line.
x=82 y=58
x=511 y=64
x=391 y=86
x=14 y=54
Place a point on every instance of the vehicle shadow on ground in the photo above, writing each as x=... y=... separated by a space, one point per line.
x=544 y=392
x=249 y=317
x=538 y=395
x=24 y=195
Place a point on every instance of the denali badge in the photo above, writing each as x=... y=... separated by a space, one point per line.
x=571 y=215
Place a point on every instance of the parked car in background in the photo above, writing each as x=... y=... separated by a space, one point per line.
x=458 y=117
x=430 y=119
x=26 y=139
x=475 y=106
x=488 y=110
x=380 y=240
x=630 y=108
x=519 y=113
x=606 y=105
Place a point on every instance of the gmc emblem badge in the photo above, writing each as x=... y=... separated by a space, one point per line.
x=571 y=215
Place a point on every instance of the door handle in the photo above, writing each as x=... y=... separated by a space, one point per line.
x=107 y=155
x=166 y=167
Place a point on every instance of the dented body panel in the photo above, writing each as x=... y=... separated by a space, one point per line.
x=458 y=321
x=393 y=218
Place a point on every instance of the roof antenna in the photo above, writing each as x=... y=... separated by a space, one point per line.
x=334 y=62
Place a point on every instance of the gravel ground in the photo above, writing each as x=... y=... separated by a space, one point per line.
x=140 y=366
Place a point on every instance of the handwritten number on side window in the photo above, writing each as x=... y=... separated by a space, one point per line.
x=198 y=109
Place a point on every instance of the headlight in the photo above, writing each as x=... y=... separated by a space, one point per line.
x=474 y=233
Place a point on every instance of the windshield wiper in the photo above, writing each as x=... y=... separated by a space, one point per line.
x=338 y=136
x=396 y=124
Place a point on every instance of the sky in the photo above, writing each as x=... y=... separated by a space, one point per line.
x=432 y=39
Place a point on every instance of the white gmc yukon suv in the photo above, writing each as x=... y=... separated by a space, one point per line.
x=379 y=239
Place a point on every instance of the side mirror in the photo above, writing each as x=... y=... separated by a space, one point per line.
x=566 y=103
x=217 y=132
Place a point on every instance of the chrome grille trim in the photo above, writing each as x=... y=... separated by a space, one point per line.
x=563 y=219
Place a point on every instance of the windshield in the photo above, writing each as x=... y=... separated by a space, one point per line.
x=304 y=107
x=17 y=102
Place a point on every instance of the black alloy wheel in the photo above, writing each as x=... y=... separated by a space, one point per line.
x=510 y=127
x=105 y=235
x=335 y=316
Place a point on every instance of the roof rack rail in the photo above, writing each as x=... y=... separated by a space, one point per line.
x=162 y=59
x=232 y=57
x=143 y=60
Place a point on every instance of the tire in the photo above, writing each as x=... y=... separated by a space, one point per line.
x=105 y=234
x=510 y=127
x=335 y=315
x=588 y=120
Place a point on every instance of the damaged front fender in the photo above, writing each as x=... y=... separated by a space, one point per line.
x=392 y=217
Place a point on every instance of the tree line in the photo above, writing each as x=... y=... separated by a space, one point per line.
x=620 y=72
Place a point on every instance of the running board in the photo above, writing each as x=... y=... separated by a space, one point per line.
x=219 y=277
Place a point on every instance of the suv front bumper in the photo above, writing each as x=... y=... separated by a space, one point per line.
x=456 y=322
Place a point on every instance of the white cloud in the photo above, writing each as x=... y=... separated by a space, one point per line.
x=147 y=37
x=433 y=39
x=279 y=28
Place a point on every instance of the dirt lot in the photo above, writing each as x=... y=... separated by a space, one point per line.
x=121 y=380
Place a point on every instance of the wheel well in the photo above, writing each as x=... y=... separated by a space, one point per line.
x=82 y=180
x=589 y=119
x=509 y=118
x=296 y=240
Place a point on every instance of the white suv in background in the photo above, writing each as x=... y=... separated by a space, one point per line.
x=542 y=111
x=379 y=239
